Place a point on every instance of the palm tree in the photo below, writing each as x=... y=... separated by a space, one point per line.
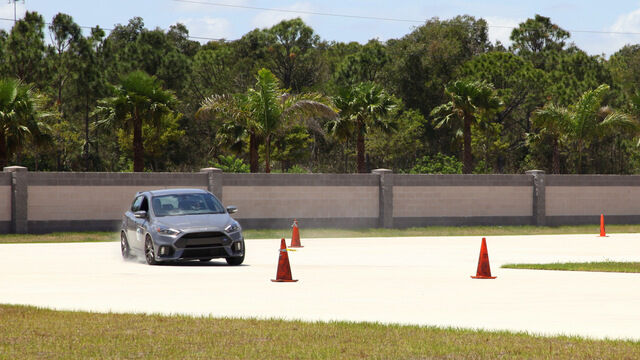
x=139 y=99
x=591 y=120
x=553 y=121
x=362 y=107
x=263 y=104
x=584 y=122
x=266 y=110
x=471 y=102
x=20 y=117
x=235 y=109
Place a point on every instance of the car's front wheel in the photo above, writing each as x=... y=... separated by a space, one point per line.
x=235 y=261
x=149 y=252
x=124 y=246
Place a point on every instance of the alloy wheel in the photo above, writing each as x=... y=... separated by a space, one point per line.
x=124 y=246
x=149 y=253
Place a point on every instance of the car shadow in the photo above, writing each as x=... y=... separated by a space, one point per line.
x=212 y=263
x=194 y=263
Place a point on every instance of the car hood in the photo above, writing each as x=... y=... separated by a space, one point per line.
x=196 y=222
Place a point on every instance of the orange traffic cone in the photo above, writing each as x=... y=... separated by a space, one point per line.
x=602 y=232
x=484 y=270
x=295 y=236
x=284 y=269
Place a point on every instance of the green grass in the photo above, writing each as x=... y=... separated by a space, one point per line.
x=32 y=333
x=59 y=237
x=347 y=233
x=602 y=266
x=441 y=231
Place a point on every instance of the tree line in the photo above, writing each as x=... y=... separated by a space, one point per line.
x=441 y=99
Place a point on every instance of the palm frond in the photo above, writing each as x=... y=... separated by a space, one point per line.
x=585 y=111
x=553 y=118
x=263 y=102
x=341 y=127
x=446 y=115
x=309 y=112
x=618 y=122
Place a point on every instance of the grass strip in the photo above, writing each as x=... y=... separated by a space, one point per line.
x=59 y=237
x=33 y=333
x=346 y=233
x=440 y=231
x=601 y=266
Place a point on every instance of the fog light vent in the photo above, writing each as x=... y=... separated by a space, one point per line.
x=237 y=246
x=164 y=250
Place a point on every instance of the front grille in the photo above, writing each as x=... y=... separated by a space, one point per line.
x=198 y=235
x=204 y=253
x=203 y=239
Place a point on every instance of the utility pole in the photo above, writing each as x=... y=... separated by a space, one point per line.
x=15 y=18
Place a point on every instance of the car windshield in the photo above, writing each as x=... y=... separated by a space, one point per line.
x=186 y=204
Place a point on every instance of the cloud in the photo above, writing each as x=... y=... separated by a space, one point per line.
x=269 y=18
x=214 y=28
x=500 y=29
x=626 y=23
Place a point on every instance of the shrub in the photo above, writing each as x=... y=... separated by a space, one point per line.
x=437 y=164
x=230 y=164
x=297 y=169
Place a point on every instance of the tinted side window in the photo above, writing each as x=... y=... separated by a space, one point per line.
x=145 y=205
x=135 y=206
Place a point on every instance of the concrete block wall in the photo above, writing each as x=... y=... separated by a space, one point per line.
x=5 y=202
x=316 y=200
x=421 y=200
x=44 y=202
x=580 y=199
x=62 y=201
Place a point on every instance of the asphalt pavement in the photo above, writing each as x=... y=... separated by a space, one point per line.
x=405 y=280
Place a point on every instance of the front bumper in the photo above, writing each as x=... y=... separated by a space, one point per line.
x=200 y=245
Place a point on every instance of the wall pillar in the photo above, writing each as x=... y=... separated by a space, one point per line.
x=214 y=181
x=19 y=198
x=385 y=203
x=539 y=207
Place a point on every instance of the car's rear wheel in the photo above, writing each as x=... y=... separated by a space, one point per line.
x=235 y=261
x=149 y=252
x=124 y=246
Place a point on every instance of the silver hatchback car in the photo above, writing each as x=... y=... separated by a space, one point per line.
x=181 y=224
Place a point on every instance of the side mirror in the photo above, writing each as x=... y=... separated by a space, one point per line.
x=141 y=214
x=232 y=209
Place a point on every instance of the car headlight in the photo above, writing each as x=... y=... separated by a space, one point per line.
x=167 y=231
x=233 y=227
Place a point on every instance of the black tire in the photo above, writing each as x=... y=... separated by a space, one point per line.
x=124 y=246
x=149 y=252
x=235 y=260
